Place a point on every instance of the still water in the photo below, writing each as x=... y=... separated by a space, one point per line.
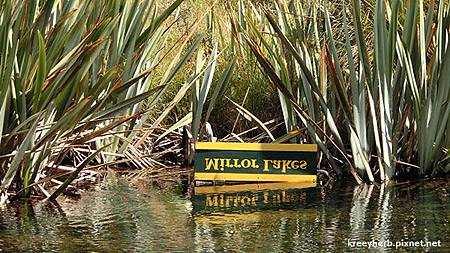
x=118 y=216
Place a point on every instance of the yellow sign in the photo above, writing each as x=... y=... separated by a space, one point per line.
x=255 y=162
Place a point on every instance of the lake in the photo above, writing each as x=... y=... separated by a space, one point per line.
x=118 y=216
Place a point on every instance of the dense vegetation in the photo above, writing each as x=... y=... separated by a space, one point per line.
x=86 y=83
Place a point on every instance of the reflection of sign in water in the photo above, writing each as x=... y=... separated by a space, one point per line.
x=261 y=162
x=251 y=197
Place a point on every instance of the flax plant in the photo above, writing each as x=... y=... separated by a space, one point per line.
x=203 y=88
x=392 y=96
x=75 y=74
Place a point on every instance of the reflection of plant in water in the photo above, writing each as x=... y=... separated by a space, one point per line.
x=360 y=203
x=384 y=213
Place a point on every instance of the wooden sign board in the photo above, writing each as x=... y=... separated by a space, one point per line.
x=255 y=162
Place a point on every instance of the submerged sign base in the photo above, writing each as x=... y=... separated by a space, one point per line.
x=255 y=162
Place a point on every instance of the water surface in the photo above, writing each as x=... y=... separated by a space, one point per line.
x=118 y=216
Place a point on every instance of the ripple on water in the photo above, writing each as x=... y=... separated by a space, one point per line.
x=117 y=216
